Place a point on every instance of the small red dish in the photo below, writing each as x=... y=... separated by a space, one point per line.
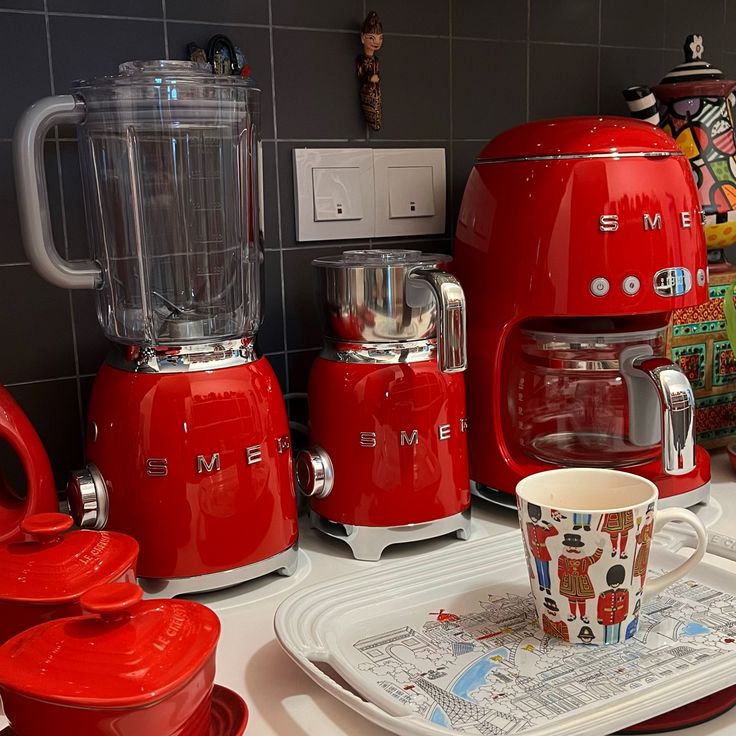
x=129 y=667
x=44 y=576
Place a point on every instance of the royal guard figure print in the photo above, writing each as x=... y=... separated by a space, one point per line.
x=582 y=521
x=643 y=541
x=572 y=570
x=617 y=525
x=550 y=622
x=613 y=604
x=538 y=532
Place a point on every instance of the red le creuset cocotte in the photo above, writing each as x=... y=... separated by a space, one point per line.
x=44 y=577
x=40 y=494
x=131 y=668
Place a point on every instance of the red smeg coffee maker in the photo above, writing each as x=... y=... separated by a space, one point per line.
x=576 y=239
x=188 y=439
x=388 y=461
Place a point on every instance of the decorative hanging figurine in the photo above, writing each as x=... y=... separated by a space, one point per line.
x=371 y=37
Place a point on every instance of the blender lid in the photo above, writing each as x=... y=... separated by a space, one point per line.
x=381 y=258
x=57 y=565
x=163 y=72
x=579 y=137
x=127 y=653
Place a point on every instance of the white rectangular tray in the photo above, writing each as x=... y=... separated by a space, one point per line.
x=449 y=642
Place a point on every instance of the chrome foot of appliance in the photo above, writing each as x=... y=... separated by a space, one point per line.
x=368 y=542
x=686 y=500
x=507 y=500
x=284 y=563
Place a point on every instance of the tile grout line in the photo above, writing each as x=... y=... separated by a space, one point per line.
x=451 y=178
x=528 y=58
x=287 y=377
x=598 y=62
x=166 y=29
x=64 y=228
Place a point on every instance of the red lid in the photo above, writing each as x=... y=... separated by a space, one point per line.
x=56 y=566
x=128 y=653
x=578 y=136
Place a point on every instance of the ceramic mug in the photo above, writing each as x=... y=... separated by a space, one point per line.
x=587 y=534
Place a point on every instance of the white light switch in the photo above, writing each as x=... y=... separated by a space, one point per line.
x=333 y=193
x=410 y=191
x=337 y=194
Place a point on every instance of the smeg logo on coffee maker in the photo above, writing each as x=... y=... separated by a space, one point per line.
x=158 y=467
x=610 y=223
x=411 y=437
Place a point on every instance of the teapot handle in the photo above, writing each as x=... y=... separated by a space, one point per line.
x=33 y=200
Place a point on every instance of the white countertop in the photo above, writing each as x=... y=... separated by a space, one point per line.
x=282 y=700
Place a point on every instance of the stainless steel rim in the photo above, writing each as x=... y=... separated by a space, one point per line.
x=416 y=351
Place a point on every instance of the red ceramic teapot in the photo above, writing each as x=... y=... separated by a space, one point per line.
x=40 y=496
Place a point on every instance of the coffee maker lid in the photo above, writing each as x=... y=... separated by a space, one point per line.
x=381 y=258
x=579 y=137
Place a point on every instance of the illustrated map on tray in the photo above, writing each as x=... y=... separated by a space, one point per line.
x=491 y=670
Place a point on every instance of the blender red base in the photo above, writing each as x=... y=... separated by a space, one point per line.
x=198 y=469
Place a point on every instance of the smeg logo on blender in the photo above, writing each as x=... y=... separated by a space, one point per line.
x=158 y=467
x=610 y=223
x=411 y=437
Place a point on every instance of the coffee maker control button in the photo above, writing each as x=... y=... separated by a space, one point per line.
x=700 y=276
x=599 y=286
x=631 y=285
x=314 y=472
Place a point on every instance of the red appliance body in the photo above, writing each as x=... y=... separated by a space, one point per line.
x=40 y=493
x=396 y=436
x=197 y=466
x=549 y=210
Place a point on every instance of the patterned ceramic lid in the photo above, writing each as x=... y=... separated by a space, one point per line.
x=127 y=653
x=57 y=565
x=694 y=69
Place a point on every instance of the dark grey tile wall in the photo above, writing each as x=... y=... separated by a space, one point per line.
x=454 y=73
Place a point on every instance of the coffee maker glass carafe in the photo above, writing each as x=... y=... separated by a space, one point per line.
x=572 y=403
x=169 y=160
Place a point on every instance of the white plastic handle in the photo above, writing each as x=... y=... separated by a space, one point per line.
x=657 y=585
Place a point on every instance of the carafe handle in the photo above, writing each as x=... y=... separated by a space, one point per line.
x=451 y=345
x=33 y=201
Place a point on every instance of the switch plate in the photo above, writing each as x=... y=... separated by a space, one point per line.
x=410 y=191
x=333 y=193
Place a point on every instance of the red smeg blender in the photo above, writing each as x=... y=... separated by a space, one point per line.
x=388 y=461
x=576 y=239
x=188 y=439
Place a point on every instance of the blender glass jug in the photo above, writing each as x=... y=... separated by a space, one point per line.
x=170 y=169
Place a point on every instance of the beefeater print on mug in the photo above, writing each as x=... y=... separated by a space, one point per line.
x=613 y=604
x=572 y=570
x=617 y=525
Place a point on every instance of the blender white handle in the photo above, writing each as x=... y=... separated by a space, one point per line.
x=657 y=585
x=33 y=200
x=451 y=344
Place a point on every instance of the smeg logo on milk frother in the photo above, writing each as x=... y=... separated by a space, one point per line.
x=408 y=438
x=158 y=467
x=610 y=223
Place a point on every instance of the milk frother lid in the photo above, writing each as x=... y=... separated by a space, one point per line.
x=381 y=258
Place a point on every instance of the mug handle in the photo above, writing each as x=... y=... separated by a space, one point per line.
x=657 y=585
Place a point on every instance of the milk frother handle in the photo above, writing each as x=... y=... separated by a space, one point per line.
x=657 y=585
x=33 y=201
x=451 y=347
